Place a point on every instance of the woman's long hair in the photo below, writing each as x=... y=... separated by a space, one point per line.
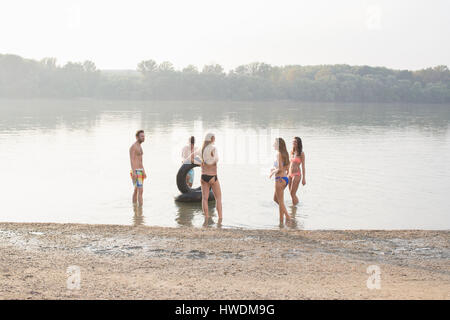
x=283 y=151
x=297 y=151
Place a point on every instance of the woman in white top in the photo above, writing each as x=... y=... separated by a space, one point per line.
x=209 y=176
x=188 y=154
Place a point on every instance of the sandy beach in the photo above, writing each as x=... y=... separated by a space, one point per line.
x=121 y=262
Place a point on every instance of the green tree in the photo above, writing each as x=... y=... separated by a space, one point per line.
x=147 y=67
x=213 y=69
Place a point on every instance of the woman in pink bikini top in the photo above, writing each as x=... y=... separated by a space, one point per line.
x=295 y=173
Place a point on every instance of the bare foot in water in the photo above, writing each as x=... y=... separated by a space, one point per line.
x=289 y=222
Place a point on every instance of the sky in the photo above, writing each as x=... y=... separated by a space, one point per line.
x=400 y=34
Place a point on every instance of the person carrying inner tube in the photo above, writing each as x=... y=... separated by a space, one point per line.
x=209 y=176
x=190 y=154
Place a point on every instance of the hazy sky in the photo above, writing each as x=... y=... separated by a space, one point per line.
x=409 y=34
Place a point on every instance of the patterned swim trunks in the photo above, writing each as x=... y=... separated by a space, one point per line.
x=139 y=181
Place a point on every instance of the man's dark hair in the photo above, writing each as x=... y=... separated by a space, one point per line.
x=192 y=139
x=139 y=132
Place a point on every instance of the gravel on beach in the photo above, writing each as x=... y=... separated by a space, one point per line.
x=40 y=260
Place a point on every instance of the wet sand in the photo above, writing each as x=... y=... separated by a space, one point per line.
x=121 y=262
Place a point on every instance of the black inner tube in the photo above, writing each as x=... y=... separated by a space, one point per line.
x=189 y=194
x=181 y=178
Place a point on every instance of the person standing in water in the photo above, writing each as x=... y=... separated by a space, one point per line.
x=295 y=173
x=188 y=154
x=137 y=168
x=209 y=178
x=281 y=166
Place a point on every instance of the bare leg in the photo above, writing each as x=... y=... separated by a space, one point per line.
x=218 y=196
x=293 y=189
x=205 y=197
x=279 y=189
x=135 y=192
x=275 y=197
x=140 y=198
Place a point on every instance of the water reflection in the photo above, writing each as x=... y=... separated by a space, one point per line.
x=297 y=221
x=138 y=217
x=186 y=212
x=190 y=214
x=87 y=140
x=155 y=116
x=207 y=223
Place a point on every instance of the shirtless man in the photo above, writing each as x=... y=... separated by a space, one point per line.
x=137 y=168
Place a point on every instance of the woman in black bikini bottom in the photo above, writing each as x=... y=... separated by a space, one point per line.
x=209 y=177
x=206 y=177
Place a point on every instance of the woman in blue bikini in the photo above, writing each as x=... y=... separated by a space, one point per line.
x=281 y=167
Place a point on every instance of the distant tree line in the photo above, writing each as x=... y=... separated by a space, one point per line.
x=21 y=77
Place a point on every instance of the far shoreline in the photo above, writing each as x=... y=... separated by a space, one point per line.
x=298 y=102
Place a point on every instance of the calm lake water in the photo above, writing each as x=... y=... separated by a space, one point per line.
x=368 y=166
